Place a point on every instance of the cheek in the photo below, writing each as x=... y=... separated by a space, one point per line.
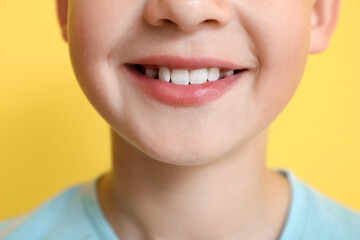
x=282 y=42
x=94 y=29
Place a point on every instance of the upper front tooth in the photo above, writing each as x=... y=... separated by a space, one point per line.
x=151 y=72
x=164 y=74
x=198 y=76
x=214 y=74
x=184 y=77
x=180 y=77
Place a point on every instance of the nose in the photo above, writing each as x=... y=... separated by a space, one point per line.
x=187 y=15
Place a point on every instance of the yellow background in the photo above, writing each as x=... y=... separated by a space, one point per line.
x=51 y=137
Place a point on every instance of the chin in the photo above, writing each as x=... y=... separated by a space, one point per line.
x=195 y=153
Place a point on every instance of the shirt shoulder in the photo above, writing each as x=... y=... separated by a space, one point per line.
x=74 y=213
x=44 y=220
x=313 y=215
x=331 y=219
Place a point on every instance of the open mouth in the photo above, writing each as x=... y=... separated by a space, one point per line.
x=185 y=76
x=184 y=82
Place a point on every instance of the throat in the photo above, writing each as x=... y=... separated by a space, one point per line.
x=220 y=212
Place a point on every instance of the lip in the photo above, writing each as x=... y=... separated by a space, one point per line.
x=183 y=95
x=175 y=62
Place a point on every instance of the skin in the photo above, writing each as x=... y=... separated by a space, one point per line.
x=166 y=181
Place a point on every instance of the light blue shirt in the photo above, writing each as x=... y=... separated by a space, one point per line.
x=75 y=214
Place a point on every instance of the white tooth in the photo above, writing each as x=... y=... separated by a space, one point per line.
x=180 y=77
x=198 y=76
x=229 y=73
x=221 y=75
x=214 y=74
x=164 y=74
x=150 y=72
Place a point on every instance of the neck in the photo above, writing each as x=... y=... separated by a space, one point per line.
x=143 y=198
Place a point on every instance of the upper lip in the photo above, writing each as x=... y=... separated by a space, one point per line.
x=178 y=62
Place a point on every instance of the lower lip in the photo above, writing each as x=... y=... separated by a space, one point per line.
x=183 y=95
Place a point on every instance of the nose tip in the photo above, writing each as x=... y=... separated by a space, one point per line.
x=187 y=15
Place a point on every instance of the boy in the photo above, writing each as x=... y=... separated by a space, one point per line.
x=189 y=88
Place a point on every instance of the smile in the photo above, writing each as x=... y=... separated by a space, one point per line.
x=184 y=76
x=184 y=82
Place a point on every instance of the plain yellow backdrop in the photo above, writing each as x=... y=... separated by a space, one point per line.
x=51 y=137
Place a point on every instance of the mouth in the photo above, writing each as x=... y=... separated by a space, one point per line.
x=185 y=82
x=185 y=76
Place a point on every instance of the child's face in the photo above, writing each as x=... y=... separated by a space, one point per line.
x=270 y=39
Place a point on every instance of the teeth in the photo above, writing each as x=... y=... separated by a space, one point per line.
x=198 y=76
x=184 y=77
x=214 y=74
x=151 y=73
x=229 y=73
x=180 y=77
x=164 y=74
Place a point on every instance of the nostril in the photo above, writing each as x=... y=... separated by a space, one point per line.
x=210 y=21
x=165 y=22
